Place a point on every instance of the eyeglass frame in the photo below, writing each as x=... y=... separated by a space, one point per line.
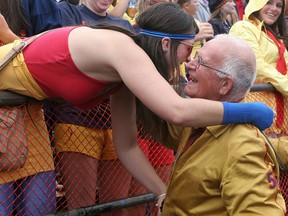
x=200 y=62
x=191 y=46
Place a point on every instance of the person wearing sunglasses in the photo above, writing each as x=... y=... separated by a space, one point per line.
x=226 y=169
x=86 y=65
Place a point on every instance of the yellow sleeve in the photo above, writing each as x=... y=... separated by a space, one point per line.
x=266 y=71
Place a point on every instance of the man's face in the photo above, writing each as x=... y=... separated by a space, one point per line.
x=203 y=81
x=99 y=6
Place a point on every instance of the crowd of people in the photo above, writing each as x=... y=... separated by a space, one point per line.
x=200 y=149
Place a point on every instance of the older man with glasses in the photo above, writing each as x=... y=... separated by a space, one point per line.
x=230 y=169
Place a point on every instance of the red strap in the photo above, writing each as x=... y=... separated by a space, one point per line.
x=281 y=63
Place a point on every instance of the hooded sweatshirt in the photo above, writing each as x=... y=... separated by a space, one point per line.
x=266 y=51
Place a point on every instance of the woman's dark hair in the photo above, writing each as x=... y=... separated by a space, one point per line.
x=166 y=18
x=12 y=12
x=163 y=17
x=279 y=28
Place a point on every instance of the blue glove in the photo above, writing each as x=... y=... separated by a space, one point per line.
x=256 y=113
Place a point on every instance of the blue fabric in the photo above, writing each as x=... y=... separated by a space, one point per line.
x=6 y=199
x=81 y=15
x=257 y=114
x=33 y=195
x=41 y=15
x=163 y=34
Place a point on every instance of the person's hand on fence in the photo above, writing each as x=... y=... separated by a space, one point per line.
x=160 y=202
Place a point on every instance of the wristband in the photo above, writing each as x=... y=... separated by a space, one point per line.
x=256 y=113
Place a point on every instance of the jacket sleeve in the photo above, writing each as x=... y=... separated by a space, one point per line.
x=259 y=41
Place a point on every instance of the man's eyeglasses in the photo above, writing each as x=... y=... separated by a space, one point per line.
x=201 y=62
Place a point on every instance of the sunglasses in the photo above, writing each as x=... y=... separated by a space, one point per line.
x=189 y=48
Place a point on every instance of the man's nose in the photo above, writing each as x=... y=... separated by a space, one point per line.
x=188 y=58
x=191 y=64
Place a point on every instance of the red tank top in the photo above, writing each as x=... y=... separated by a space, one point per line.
x=49 y=62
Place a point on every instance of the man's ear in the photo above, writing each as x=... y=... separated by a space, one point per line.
x=186 y=6
x=226 y=85
x=165 y=44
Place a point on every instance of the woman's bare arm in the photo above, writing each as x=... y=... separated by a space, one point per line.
x=6 y=35
x=117 y=58
x=125 y=141
x=120 y=9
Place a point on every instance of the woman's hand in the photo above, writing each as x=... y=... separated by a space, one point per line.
x=159 y=203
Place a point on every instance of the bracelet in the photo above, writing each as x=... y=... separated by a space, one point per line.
x=161 y=195
x=161 y=205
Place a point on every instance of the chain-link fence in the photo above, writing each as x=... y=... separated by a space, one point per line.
x=67 y=164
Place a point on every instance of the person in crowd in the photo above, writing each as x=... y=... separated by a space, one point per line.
x=264 y=28
x=87 y=13
x=243 y=180
x=267 y=35
x=223 y=15
x=203 y=13
x=79 y=157
x=30 y=17
x=161 y=157
x=205 y=28
x=205 y=31
x=30 y=190
x=109 y=70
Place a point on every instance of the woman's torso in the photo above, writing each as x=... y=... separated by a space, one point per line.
x=58 y=76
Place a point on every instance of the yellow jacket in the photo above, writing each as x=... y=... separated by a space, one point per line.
x=266 y=51
x=228 y=170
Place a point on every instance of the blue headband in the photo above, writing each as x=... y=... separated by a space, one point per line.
x=162 y=35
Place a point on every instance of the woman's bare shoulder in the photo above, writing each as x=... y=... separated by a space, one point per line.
x=97 y=35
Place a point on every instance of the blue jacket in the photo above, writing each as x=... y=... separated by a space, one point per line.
x=80 y=14
x=41 y=15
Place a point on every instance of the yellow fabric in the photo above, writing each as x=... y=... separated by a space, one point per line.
x=197 y=44
x=255 y=5
x=229 y=170
x=40 y=157
x=281 y=147
x=16 y=77
x=266 y=52
x=96 y=143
